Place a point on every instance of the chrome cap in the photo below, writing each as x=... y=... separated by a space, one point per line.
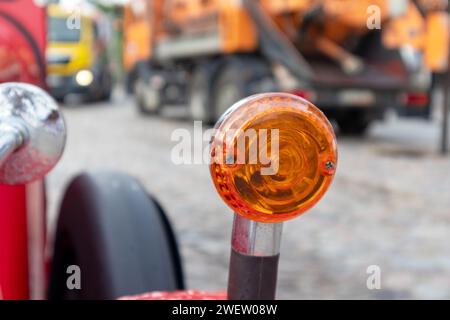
x=35 y=118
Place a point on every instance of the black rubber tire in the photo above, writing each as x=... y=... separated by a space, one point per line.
x=354 y=122
x=144 y=73
x=130 y=78
x=102 y=94
x=200 y=88
x=245 y=76
x=107 y=86
x=118 y=236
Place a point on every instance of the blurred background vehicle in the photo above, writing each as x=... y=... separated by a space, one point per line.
x=77 y=55
x=209 y=54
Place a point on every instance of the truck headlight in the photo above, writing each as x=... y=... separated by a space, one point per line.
x=84 y=78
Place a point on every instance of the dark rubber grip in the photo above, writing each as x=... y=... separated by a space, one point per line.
x=252 y=277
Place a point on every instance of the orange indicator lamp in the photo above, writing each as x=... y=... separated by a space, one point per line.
x=273 y=157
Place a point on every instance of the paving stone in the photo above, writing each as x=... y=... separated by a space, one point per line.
x=388 y=206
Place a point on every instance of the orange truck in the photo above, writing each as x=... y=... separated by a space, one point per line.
x=352 y=58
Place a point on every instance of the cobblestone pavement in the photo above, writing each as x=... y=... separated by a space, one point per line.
x=388 y=206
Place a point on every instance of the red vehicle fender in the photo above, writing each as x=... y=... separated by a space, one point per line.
x=22 y=212
x=179 y=295
x=22 y=42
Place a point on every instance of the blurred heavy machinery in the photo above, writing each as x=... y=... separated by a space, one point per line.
x=354 y=59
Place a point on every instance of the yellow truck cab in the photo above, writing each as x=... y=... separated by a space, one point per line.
x=76 y=56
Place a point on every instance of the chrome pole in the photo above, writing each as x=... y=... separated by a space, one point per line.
x=254 y=260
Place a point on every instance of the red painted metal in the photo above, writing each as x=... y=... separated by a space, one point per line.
x=13 y=243
x=22 y=42
x=179 y=295
x=22 y=58
x=18 y=237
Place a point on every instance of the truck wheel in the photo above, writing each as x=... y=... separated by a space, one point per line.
x=199 y=94
x=102 y=92
x=119 y=238
x=354 y=123
x=148 y=99
x=107 y=86
x=237 y=79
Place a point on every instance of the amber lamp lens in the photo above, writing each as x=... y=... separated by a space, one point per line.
x=273 y=156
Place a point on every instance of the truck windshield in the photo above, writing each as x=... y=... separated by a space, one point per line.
x=59 y=31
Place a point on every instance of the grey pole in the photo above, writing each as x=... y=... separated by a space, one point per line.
x=254 y=260
x=446 y=109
